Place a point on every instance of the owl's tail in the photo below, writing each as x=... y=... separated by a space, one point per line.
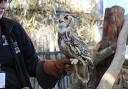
x=83 y=70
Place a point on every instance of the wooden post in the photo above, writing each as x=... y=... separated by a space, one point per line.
x=113 y=22
x=111 y=74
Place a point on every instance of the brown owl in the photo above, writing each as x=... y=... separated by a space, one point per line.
x=74 y=48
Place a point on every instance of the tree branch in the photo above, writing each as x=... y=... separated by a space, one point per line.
x=103 y=54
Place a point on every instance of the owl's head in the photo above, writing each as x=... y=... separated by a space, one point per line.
x=66 y=23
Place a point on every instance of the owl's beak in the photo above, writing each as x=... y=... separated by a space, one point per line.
x=60 y=21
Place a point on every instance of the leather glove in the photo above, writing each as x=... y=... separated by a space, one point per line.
x=57 y=68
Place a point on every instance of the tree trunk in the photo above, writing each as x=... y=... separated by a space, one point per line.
x=111 y=74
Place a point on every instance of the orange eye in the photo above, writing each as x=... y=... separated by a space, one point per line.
x=66 y=17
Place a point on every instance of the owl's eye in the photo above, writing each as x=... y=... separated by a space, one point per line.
x=66 y=17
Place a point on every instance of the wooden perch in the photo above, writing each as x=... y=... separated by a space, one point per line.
x=103 y=54
x=110 y=75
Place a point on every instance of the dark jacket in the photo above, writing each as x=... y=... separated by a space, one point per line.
x=24 y=64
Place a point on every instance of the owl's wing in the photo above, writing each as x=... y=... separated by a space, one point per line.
x=79 y=48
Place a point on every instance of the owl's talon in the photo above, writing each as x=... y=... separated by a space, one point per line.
x=74 y=61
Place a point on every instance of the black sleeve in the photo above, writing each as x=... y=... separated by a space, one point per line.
x=27 y=49
x=33 y=64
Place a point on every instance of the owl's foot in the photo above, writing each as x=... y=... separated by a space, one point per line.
x=73 y=61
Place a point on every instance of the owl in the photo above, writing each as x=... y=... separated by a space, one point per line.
x=73 y=47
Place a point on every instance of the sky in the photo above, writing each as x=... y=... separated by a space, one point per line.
x=123 y=3
x=102 y=4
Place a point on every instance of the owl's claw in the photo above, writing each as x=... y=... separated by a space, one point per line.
x=74 y=61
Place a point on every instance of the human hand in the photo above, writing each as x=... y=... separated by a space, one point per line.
x=58 y=68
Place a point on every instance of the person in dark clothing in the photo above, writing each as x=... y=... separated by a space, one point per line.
x=18 y=59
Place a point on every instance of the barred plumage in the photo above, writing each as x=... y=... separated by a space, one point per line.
x=73 y=46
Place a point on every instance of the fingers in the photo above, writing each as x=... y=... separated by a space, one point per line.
x=58 y=68
x=68 y=69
